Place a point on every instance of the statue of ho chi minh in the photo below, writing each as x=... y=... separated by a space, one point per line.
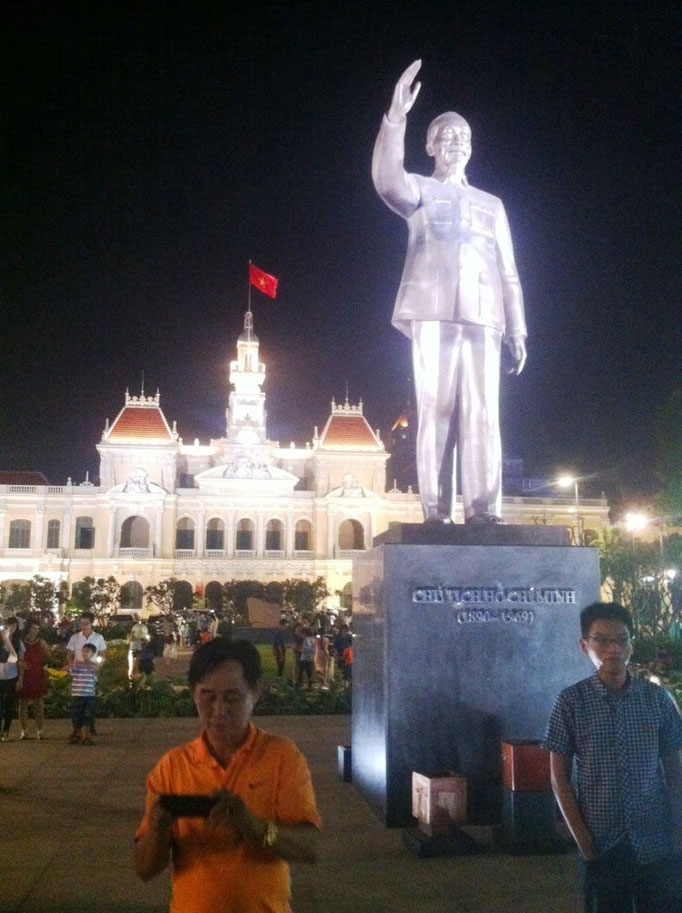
x=459 y=299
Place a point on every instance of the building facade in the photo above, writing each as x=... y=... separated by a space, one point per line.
x=240 y=507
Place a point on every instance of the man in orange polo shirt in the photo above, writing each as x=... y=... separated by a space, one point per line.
x=264 y=813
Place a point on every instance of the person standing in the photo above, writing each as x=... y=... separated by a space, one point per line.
x=279 y=647
x=306 y=665
x=625 y=735
x=138 y=636
x=34 y=685
x=74 y=648
x=11 y=675
x=83 y=695
x=264 y=813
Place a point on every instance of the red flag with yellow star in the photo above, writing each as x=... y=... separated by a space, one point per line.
x=263 y=281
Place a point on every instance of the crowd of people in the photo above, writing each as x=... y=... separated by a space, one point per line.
x=320 y=650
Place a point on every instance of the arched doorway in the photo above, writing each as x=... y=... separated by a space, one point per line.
x=215 y=534
x=244 y=537
x=184 y=534
x=182 y=595
x=135 y=532
x=274 y=536
x=351 y=536
x=131 y=595
x=213 y=593
x=303 y=536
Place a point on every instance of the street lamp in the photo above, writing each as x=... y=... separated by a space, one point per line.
x=565 y=482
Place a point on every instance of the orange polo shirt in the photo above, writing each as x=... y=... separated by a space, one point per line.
x=211 y=874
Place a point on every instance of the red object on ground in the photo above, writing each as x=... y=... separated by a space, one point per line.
x=525 y=766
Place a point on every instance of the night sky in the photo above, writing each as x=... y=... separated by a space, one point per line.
x=151 y=149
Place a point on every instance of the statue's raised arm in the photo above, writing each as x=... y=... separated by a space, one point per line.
x=404 y=94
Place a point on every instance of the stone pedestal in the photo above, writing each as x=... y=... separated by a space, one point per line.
x=463 y=638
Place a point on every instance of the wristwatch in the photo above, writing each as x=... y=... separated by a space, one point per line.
x=269 y=837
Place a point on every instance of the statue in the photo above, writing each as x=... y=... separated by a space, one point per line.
x=459 y=298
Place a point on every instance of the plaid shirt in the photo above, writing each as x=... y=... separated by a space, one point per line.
x=618 y=740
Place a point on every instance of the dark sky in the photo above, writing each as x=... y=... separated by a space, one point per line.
x=150 y=149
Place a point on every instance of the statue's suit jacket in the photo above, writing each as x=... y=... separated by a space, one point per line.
x=460 y=260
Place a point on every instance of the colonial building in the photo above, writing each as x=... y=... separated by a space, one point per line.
x=240 y=507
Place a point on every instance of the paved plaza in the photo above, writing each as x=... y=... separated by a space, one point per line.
x=69 y=814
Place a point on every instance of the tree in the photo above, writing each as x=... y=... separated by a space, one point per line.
x=42 y=594
x=18 y=599
x=161 y=595
x=636 y=574
x=303 y=597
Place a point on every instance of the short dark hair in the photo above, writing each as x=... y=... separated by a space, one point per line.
x=604 y=611
x=88 y=615
x=214 y=653
x=89 y=647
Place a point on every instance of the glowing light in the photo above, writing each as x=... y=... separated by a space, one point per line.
x=671 y=573
x=655 y=679
x=634 y=522
x=565 y=481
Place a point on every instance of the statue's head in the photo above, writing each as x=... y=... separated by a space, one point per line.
x=448 y=141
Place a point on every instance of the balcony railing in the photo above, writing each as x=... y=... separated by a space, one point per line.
x=245 y=553
x=185 y=553
x=348 y=552
x=215 y=553
x=135 y=552
x=273 y=553
x=303 y=553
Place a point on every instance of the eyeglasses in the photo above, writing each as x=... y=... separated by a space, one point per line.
x=622 y=640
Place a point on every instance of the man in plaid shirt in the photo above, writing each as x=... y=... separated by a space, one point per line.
x=625 y=735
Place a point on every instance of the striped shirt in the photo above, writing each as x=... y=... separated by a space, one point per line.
x=84 y=680
x=618 y=740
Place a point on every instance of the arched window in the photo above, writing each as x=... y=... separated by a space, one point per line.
x=351 y=535
x=182 y=595
x=213 y=593
x=303 y=536
x=53 y=531
x=131 y=595
x=135 y=533
x=184 y=533
x=20 y=534
x=274 y=535
x=244 y=538
x=85 y=532
x=215 y=534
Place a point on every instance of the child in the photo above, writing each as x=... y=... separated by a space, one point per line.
x=83 y=689
x=146 y=661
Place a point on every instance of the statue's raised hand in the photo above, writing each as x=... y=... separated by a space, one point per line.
x=404 y=94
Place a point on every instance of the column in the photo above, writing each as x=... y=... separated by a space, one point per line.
x=111 y=530
x=200 y=543
x=330 y=534
x=40 y=523
x=66 y=530
x=3 y=514
x=259 y=533
x=289 y=535
x=229 y=534
x=158 y=532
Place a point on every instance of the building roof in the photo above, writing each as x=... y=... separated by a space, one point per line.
x=140 y=420
x=347 y=429
x=23 y=478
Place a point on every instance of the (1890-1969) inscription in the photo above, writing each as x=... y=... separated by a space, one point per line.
x=494 y=603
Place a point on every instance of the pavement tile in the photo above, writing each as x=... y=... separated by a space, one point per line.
x=75 y=810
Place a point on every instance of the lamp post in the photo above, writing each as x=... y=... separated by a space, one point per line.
x=566 y=482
